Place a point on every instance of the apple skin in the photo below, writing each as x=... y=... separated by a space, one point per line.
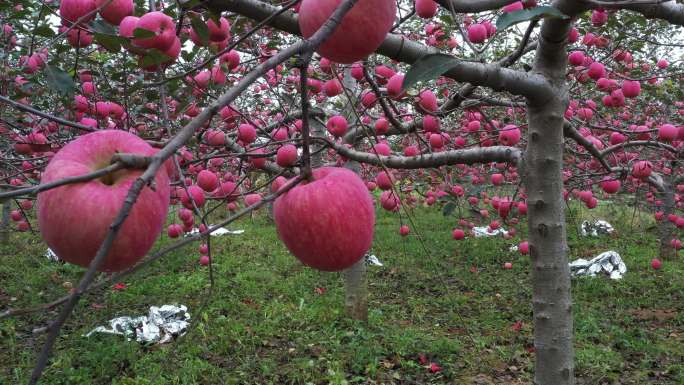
x=74 y=219
x=361 y=31
x=72 y=10
x=115 y=10
x=327 y=223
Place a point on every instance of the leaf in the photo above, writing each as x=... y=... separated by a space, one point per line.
x=448 y=208
x=200 y=28
x=59 y=80
x=110 y=42
x=103 y=27
x=44 y=31
x=428 y=67
x=154 y=57
x=142 y=33
x=507 y=19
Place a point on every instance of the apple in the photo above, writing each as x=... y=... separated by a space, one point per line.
x=524 y=248
x=631 y=88
x=174 y=230
x=642 y=169
x=73 y=10
x=327 y=223
x=163 y=28
x=74 y=219
x=247 y=133
x=428 y=101
x=207 y=180
x=286 y=155
x=204 y=260
x=508 y=265
x=426 y=9
x=656 y=264
x=458 y=234
x=610 y=186
x=477 y=33
x=115 y=10
x=337 y=126
x=360 y=32
x=404 y=230
x=509 y=135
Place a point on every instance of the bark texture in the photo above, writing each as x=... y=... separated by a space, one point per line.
x=355 y=283
x=5 y=222
x=356 y=294
x=551 y=296
x=666 y=229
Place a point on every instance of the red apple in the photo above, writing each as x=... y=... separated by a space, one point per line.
x=163 y=28
x=115 y=10
x=656 y=264
x=426 y=9
x=327 y=223
x=286 y=155
x=74 y=219
x=73 y=10
x=360 y=32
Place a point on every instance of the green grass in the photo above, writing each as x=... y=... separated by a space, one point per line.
x=264 y=323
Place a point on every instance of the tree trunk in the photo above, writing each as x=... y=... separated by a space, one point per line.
x=5 y=222
x=356 y=294
x=551 y=296
x=666 y=229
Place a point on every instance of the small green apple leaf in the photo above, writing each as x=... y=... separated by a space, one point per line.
x=200 y=28
x=142 y=33
x=507 y=19
x=44 y=30
x=154 y=57
x=103 y=27
x=110 y=42
x=448 y=208
x=428 y=67
x=59 y=80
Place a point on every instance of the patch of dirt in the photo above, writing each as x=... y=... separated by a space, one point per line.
x=659 y=315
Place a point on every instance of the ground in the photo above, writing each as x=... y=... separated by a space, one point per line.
x=269 y=320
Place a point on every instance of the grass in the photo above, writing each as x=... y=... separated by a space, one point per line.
x=442 y=301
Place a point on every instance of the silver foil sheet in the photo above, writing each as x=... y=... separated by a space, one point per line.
x=161 y=325
x=608 y=264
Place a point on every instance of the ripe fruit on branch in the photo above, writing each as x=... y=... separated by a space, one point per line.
x=115 y=10
x=360 y=32
x=327 y=223
x=73 y=10
x=74 y=219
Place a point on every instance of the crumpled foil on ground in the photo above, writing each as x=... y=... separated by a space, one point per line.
x=49 y=254
x=608 y=263
x=159 y=326
x=599 y=227
x=372 y=260
x=218 y=232
x=486 y=232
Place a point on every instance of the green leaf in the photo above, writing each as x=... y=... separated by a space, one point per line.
x=428 y=67
x=103 y=27
x=448 y=208
x=200 y=28
x=110 y=42
x=59 y=80
x=142 y=33
x=44 y=31
x=154 y=57
x=507 y=19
